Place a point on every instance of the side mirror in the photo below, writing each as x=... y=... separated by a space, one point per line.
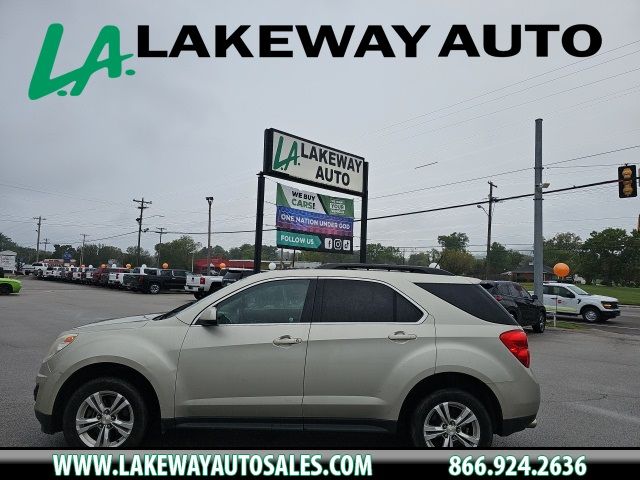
x=209 y=318
x=534 y=296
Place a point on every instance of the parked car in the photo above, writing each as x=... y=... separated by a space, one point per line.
x=527 y=309
x=232 y=275
x=38 y=269
x=100 y=276
x=132 y=280
x=87 y=275
x=362 y=347
x=203 y=285
x=9 y=285
x=116 y=277
x=165 y=279
x=569 y=299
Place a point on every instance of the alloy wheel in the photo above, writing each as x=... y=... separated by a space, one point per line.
x=104 y=419
x=451 y=424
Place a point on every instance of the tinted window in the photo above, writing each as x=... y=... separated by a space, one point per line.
x=356 y=301
x=180 y=273
x=546 y=290
x=165 y=273
x=279 y=301
x=472 y=299
x=521 y=291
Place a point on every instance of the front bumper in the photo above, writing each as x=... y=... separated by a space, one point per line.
x=610 y=313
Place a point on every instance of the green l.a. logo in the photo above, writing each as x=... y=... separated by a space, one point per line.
x=41 y=82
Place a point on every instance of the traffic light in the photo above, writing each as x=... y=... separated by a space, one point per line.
x=627 y=181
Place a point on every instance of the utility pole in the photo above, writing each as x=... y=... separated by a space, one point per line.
x=490 y=218
x=209 y=201
x=161 y=232
x=39 y=218
x=46 y=242
x=142 y=207
x=84 y=236
x=538 y=265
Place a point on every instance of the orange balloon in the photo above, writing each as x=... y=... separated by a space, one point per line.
x=561 y=269
x=128 y=265
x=103 y=266
x=222 y=265
x=165 y=265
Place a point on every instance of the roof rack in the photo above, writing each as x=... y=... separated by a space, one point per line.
x=384 y=266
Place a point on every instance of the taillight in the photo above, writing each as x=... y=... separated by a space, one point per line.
x=498 y=297
x=201 y=280
x=516 y=342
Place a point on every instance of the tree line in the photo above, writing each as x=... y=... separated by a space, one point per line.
x=610 y=256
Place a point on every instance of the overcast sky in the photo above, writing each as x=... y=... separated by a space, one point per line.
x=182 y=129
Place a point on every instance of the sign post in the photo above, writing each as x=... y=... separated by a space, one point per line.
x=299 y=160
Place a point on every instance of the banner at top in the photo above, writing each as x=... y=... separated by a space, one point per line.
x=313 y=202
x=304 y=161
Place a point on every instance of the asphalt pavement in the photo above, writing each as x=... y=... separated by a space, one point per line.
x=590 y=377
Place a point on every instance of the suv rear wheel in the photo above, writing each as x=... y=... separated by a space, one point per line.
x=154 y=288
x=105 y=413
x=451 y=418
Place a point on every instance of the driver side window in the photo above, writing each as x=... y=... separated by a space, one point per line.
x=278 y=301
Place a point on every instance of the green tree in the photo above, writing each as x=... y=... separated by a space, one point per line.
x=454 y=241
x=601 y=256
x=502 y=259
x=178 y=253
x=563 y=247
x=378 y=253
x=421 y=259
x=457 y=261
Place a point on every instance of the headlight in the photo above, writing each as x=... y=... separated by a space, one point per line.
x=61 y=342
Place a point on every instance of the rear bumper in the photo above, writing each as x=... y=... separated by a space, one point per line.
x=513 y=425
x=193 y=288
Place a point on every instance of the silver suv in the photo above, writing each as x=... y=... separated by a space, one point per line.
x=354 y=346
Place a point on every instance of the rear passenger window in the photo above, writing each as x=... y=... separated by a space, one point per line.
x=472 y=299
x=357 y=301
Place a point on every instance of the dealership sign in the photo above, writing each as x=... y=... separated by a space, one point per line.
x=311 y=221
x=313 y=202
x=297 y=159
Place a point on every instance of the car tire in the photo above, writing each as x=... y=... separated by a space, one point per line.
x=475 y=426
x=126 y=429
x=154 y=288
x=541 y=324
x=198 y=295
x=591 y=314
x=5 y=289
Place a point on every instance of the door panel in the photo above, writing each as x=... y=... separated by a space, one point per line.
x=252 y=363
x=354 y=369
x=238 y=371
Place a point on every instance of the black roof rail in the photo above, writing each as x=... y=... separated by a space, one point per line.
x=384 y=266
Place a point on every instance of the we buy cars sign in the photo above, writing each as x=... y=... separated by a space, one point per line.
x=295 y=158
x=303 y=221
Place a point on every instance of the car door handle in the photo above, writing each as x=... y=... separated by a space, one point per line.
x=286 y=340
x=402 y=337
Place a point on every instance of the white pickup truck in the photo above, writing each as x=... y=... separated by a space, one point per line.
x=569 y=299
x=116 y=277
x=203 y=285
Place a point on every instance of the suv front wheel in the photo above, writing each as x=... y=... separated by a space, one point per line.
x=105 y=413
x=451 y=418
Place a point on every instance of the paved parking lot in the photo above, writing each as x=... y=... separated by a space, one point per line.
x=590 y=378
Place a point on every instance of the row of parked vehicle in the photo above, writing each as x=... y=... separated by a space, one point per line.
x=144 y=279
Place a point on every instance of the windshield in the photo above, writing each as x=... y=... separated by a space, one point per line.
x=176 y=310
x=577 y=290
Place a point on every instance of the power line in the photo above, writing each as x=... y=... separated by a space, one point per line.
x=506 y=86
x=511 y=93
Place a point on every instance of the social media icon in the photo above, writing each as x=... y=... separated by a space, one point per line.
x=328 y=243
x=337 y=243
